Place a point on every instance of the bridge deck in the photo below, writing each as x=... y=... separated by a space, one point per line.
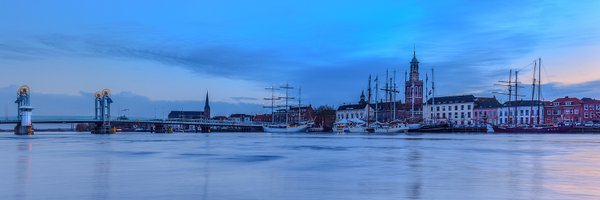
x=76 y=120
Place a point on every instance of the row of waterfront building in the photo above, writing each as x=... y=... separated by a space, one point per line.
x=467 y=109
x=472 y=110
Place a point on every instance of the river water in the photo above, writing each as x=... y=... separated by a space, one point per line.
x=298 y=166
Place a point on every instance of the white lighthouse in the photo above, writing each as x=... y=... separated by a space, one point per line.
x=25 y=126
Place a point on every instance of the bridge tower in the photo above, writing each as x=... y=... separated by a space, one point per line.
x=24 y=126
x=102 y=111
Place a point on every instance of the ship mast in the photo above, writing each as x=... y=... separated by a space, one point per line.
x=509 y=115
x=516 y=96
x=299 y=103
x=539 y=91
x=272 y=99
x=287 y=98
x=369 y=102
x=532 y=95
x=376 y=98
x=426 y=94
x=433 y=97
x=395 y=96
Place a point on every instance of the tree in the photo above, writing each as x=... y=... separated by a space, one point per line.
x=325 y=117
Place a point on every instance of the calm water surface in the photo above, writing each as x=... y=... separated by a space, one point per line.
x=298 y=166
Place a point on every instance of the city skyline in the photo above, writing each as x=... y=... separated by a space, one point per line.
x=169 y=55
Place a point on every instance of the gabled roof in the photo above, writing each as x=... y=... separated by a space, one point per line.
x=452 y=99
x=486 y=102
x=352 y=107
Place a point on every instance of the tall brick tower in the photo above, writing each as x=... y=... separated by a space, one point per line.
x=413 y=92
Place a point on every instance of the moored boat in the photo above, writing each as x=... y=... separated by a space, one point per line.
x=549 y=129
x=285 y=129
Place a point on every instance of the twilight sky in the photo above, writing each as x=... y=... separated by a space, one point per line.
x=158 y=56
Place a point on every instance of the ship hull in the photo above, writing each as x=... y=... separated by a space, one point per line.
x=297 y=129
x=559 y=129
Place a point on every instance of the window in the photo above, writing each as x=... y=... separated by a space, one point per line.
x=462 y=107
x=437 y=115
x=437 y=108
x=556 y=103
x=585 y=115
x=468 y=107
x=526 y=112
x=449 y=108
x=598 y=107
x=462 y=115
x=444 y=115
x=568 y=103
x=468 y=114
x=521 y=112
x=585 y=107
x=443 y=108
x=476 y=114
x=576 y=111
x=549 y=112
x=456 y=107
x=449 y=115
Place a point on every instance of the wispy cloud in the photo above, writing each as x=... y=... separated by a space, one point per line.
x=330 y=55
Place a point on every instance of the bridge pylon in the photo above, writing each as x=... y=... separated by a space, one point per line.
x=24 y=126
x=102 y=110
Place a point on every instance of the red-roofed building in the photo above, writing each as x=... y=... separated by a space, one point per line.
x=564 y=110
x=591 y=110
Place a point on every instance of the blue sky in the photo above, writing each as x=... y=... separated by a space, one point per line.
x=158 y=55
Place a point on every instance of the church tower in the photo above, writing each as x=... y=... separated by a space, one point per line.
x=413 y=92
x=206 y=108
x=362 y=98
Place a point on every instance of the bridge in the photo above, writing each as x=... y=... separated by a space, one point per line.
x=103 y=123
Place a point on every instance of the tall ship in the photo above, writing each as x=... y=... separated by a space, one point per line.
x=368 y=117
x=534 y=124
x=285 y=125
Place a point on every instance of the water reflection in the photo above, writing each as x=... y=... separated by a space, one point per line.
x=101 y=177
x=23 y=171
x=281 y=166
x=413 y=161
x=101 y=169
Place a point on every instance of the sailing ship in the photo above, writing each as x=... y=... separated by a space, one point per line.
x=285 y=127
x=532 y=127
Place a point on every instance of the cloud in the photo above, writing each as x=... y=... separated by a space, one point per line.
x=330 y=54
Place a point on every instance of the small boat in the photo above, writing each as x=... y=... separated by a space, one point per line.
x=316 y=129
x=379 y=127
x=414 y=126
x=352 y=125
x=285 y=129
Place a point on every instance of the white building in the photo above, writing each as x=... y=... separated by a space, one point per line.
x=358 y=111
x=456 y=110
x=524 y=110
